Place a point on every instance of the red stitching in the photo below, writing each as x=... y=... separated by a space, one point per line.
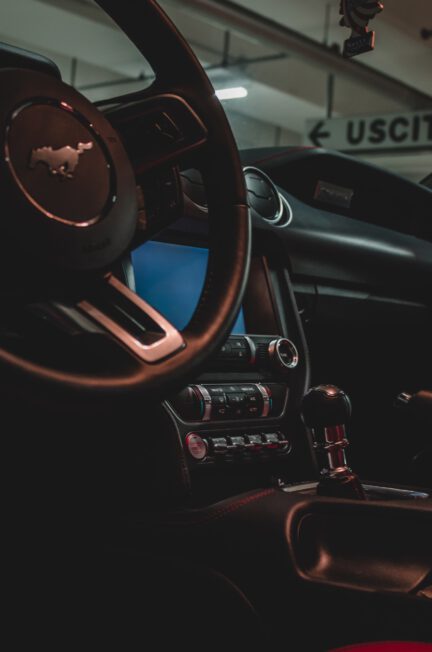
x=221 y=512
x=286 y=151
x=386 y=646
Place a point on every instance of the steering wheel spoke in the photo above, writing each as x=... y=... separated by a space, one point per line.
x=158 y=130
x=132 y=321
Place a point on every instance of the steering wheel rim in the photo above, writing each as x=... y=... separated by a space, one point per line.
x=178 y=72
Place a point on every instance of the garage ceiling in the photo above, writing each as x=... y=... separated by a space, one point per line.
x=286 y=83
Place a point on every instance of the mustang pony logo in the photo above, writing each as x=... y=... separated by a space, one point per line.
x=61 y=162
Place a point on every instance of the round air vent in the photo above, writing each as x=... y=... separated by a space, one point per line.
x=265 y=201
x=264 y=198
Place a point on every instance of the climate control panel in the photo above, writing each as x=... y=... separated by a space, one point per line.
x=214 y=402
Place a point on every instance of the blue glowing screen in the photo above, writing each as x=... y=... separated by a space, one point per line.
x=170 y=277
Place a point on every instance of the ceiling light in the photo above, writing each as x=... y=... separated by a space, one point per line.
x=232 y=93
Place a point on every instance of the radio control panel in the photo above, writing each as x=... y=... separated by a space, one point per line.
x=257 y=352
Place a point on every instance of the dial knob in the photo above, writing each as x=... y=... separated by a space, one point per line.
x=283 y=354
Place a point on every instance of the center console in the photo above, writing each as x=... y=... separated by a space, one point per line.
x=246 y=420
x=239 y=419
x=241 y=440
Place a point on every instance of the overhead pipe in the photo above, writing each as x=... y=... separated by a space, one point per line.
x=252 y=24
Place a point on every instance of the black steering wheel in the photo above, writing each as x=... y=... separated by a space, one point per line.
x=69 y=204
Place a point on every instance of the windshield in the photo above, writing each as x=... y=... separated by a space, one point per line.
x=276 y=65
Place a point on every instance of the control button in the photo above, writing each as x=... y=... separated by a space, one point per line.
x=196 y=446
x=252 y=410
x=238 y=444
x=237 y=344
x=271 y=441
x=218 y=399
x=220 y=412
x=219 y=445
x=284 y=443
x=236 y=404
x=254 y=405
x=239 y=354
x=283 y=354
x=236 y=399
x=225 y=351
x=254 y=443
x=215 y=391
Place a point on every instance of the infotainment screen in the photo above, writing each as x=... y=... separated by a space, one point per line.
x=170 y=277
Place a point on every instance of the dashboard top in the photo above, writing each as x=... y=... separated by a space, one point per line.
x=373 y=230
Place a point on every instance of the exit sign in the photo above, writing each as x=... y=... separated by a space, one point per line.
x=378 y=132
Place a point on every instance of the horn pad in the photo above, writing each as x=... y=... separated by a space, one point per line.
x=67 y=186
x=65 y=148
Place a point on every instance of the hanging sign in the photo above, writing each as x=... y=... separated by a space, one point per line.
x=382 y=132
x=356 y=15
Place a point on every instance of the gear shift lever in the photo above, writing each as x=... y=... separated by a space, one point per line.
x=325 y=410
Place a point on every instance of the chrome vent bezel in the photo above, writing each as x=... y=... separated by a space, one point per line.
x=284 y=214
x=288 y=212
x=281 y=219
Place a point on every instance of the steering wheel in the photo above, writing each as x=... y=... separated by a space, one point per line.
x=70 y=205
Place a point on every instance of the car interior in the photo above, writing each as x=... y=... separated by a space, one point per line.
x=216 y=373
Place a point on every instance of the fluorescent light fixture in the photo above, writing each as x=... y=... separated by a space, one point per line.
x=232 y=93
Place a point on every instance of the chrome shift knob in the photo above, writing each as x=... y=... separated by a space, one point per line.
x=326 y=409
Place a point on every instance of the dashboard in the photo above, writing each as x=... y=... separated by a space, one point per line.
x=170 y=277
x=339 y=292
x=238 y=421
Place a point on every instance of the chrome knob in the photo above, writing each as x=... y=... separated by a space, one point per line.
x=326 y=410
x=283 y=354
